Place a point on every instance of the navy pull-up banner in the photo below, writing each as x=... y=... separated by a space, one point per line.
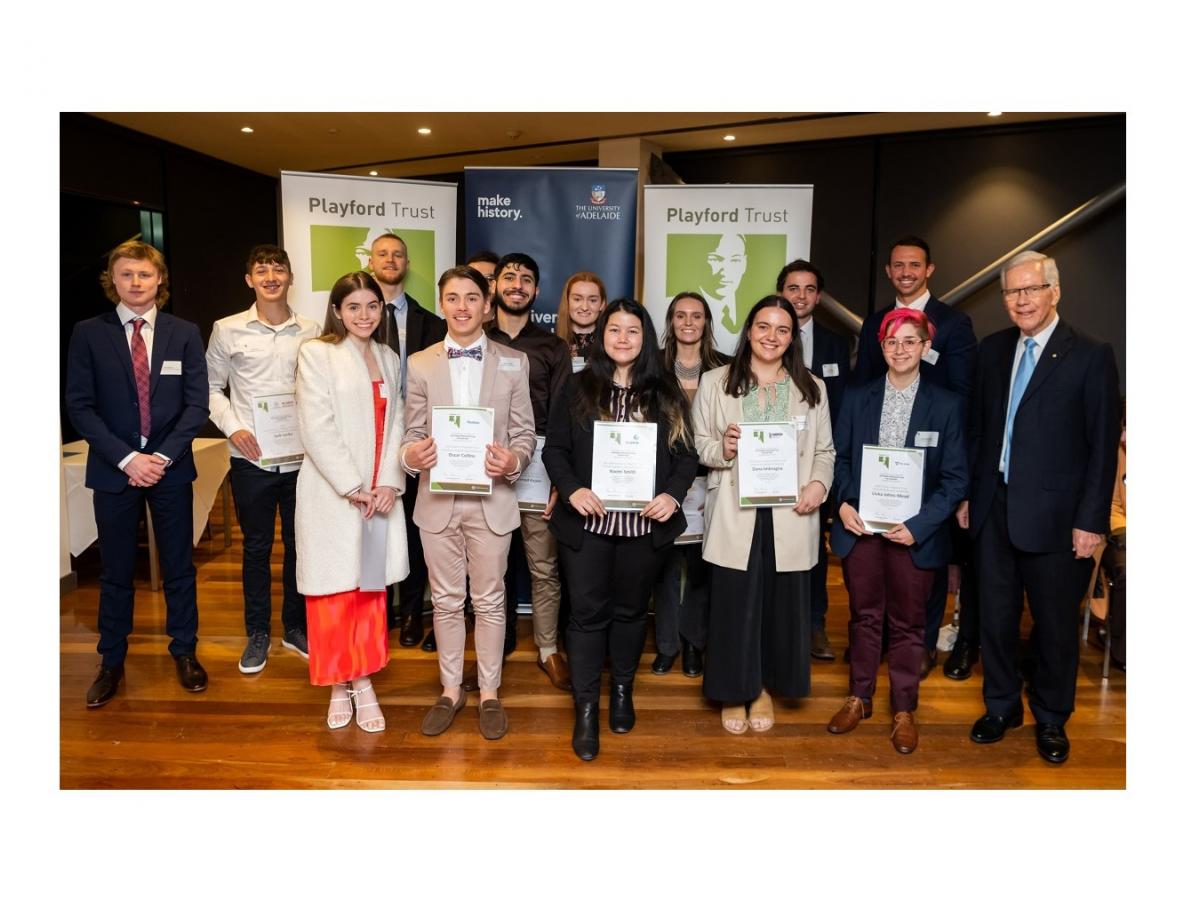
x=568 y=220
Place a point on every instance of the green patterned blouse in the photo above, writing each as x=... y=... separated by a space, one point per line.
x=775 y=408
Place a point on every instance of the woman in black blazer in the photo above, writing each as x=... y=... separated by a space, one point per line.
x=611 y=559
x=890 y=573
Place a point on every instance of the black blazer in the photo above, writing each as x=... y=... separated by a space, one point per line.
x=424 y=328
x=953 y=341
x=830 y=348
x=567 y=456
x=935 y=409
x=1063 y=458
x=101 y=397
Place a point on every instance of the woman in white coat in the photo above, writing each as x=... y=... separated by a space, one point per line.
x=350 y=535
x=758 y=633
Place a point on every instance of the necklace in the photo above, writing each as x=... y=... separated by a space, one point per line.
x=687 y=373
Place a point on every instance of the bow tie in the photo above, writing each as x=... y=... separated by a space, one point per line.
x=475 y=353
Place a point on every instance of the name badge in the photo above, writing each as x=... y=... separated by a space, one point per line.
x=172 y=367
x=801 y=422
x=931 y=356
x=383 y=390
x=829 y=370
x=926 y=439
x=509 y=364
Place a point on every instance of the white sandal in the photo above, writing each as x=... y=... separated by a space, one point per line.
x=358 y=708
x=334 y=726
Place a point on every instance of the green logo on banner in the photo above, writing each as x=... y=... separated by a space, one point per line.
x=338 y=249
x=732 y=271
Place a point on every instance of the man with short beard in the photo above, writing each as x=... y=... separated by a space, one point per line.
x=549 y=367
x=408 y=328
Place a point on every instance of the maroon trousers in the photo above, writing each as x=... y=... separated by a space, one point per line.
x=883 y=581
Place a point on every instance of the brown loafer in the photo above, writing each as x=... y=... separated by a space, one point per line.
x=556 y=670
x=904 y=733
x=441 y=714
x=493 y=721
x=854 y=710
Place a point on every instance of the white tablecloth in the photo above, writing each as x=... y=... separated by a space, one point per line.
x=212 y=462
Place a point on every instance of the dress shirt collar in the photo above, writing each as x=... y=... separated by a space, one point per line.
x=1042 y=337
x=906 y=393
x=400 y=303
x=918 y=304
x=252 y=317
x=127 y=315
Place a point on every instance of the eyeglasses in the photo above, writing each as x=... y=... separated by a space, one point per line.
x=909 y=343
x=1013 y=293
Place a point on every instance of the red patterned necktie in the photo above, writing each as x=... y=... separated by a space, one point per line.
x=141 y=375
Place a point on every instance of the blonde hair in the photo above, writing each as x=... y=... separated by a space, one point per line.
x=143 y=252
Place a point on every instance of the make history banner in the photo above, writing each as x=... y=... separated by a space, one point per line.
x=567 y=219
x=724 y=242
x=329 y=222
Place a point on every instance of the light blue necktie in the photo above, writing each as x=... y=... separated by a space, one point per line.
x=1024 y=373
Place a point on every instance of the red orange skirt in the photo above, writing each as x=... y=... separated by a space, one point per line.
x=347 y=635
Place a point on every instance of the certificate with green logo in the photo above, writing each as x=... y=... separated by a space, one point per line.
x=461 y=434
x=890 y=489
x=623 y=460
x=767 y=464
x=277 y=430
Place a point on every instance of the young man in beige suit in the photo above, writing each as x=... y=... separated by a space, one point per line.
x=468 y=535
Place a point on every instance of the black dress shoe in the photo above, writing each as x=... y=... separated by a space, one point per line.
x=693 y=661
x=585 y=739
x=621 y=716
x=989 y=729
x=662 y=663
x=412 y=631
x=429 y=645
x=104 y=688
x=961 y=659
x=1052 y=743
x=928 y=661
x=191 y=674
x=820 y=648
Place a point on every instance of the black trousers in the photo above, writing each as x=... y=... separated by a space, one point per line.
x=681 y=600
x=610 y=581
x=1055 y=584
x=257 y=494
x=818 y=591
x=117 y=517
x=411 y=591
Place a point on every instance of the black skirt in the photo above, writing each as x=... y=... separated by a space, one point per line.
x=758 y=632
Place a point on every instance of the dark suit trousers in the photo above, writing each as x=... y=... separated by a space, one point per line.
x=412 y=589
x=610 y=581
x=257 y=493
x=818 y=590
x=884 y=584
x=117 y=518
x=681 y=600
x=1055 y=584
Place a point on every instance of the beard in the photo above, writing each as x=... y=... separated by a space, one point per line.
x=389 y=276
x=509 y=308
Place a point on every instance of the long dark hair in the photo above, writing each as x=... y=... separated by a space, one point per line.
x=709 y=357
x=335 y=331
x=658 y=397
x=740 y=379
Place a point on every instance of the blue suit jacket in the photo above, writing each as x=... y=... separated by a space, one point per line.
x=935 y=409
x=101 y=397
x=953 y=340
x=829 y=347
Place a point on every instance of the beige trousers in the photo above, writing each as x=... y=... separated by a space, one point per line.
x=541 y=554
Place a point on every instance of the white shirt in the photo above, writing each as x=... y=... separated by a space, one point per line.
x=252 y=358
x=918 y=304
x=1040 y=340
x=466 y=374
x=127 y=315
x=806 y=342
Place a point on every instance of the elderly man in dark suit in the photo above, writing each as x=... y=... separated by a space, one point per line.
x=137 y=390
x=1044 y=435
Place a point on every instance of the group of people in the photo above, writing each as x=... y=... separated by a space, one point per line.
x=1017 y=438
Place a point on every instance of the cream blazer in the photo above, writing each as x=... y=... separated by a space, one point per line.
x=337 y=428
x=729 y=529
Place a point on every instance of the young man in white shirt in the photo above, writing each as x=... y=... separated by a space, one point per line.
x=253 y=354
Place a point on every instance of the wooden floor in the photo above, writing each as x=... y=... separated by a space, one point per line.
x=268 y=730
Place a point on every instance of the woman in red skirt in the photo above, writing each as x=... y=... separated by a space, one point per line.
x=350 y=534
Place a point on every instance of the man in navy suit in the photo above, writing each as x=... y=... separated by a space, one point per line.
x=949 y=363
x=137 y=390
x=826 y=355
x=1043 y=437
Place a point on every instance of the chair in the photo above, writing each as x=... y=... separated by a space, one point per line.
x=1096 y=600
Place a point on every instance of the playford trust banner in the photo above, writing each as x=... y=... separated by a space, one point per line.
x=568 y=220
x=329 y=222
x=725 y=242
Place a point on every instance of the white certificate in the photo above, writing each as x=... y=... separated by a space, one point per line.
x=277 y=430
x=767 y=464
x=533 y=487
x=890 y=490
x=693 y=512
x=623 y=460
x=462 y=434
x=373 y=576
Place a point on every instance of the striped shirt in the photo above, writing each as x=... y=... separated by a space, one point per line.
x=626 y=523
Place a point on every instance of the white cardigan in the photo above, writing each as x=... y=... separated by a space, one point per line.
x=337 y=428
